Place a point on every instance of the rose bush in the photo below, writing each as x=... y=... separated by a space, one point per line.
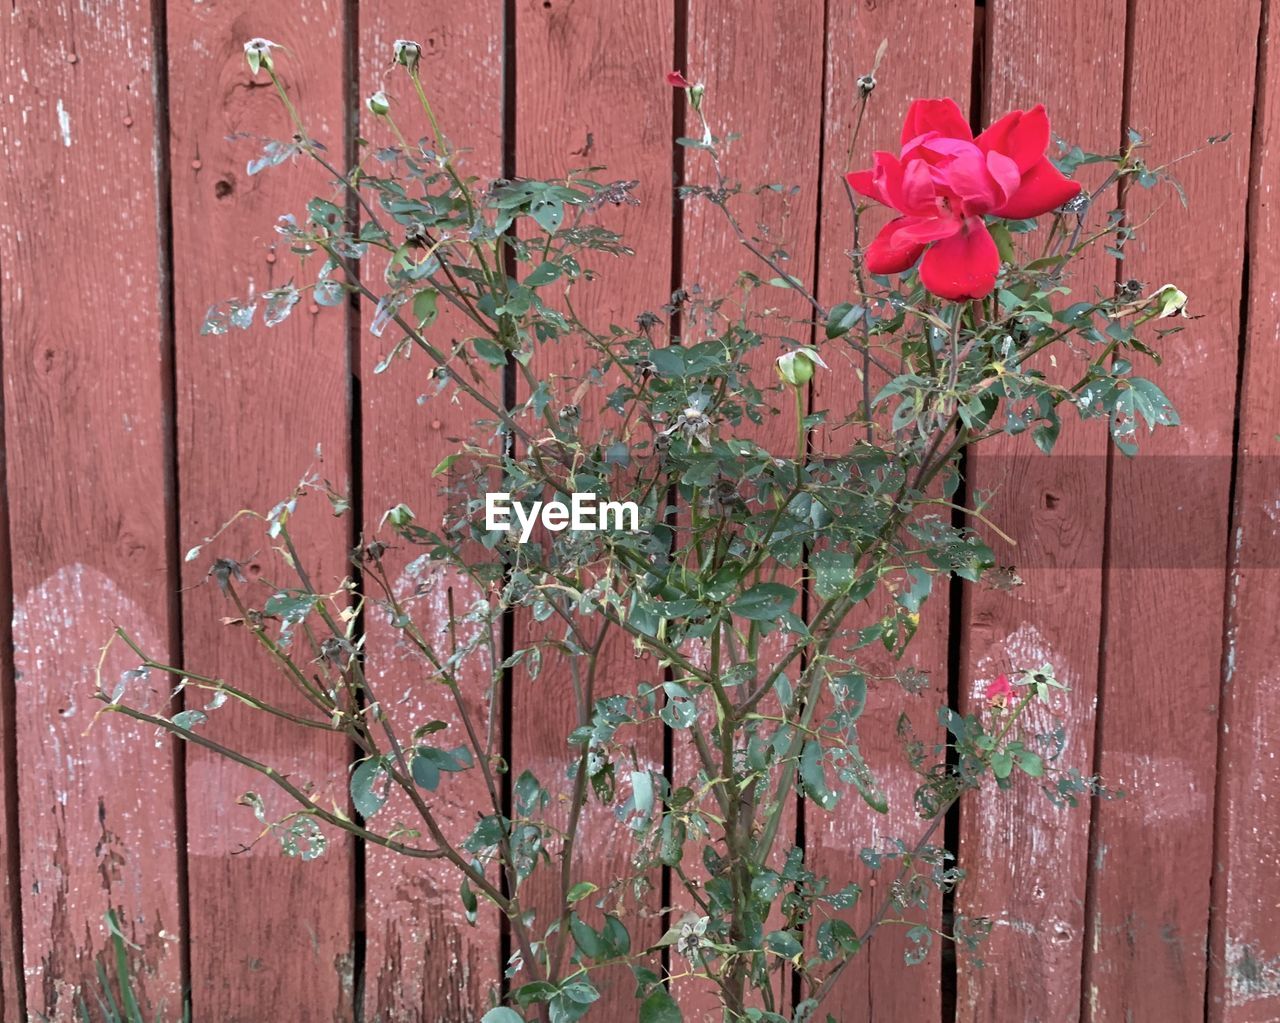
x=769 y=589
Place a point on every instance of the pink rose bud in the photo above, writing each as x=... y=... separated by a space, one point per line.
x=998 y=690
x=678 y=81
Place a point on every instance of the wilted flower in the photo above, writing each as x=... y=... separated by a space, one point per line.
x=1170 y=301
x=998 y=691
x=796 y=366
x=944 y=182
x=1167 y=300
x=257 y=52
x=407 y=53
x=378 y=103
x=693 y=424
x=694 y=90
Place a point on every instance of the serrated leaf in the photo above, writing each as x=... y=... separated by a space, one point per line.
x=368 y=787
x=660 y=1007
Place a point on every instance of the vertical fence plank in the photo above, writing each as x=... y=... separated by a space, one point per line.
x=590 y=92
x=271 y=937
x=779 y=121
x=12 y=988
x=85 y=428
x=1147 y=932
x=424 y=962
x=1244 y=968
x=879 y=984
x=1026 y=859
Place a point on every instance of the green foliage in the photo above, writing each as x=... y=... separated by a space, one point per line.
x=116 y=1000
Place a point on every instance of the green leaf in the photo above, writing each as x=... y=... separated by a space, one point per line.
x=490 y=351
x=813 y=776
x=446 y=463
x=366 y=796
x=502 y=1015
x=1001 y=765
x=1030 y=763
x=542 y=274
x=425 y=773
x=765 y=602
x=833 y=572
x=843 y=318
x=549 y=213
x=660 y=1007
x=783 y=943
x=856 y=772
x=642 y=791
x=289 y=606
x=469 y=901
x=585 y=937
x=834 y=937
x=426 y=307
x=580 y=891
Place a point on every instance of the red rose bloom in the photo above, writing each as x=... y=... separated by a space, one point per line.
x=678 y=81
x=944 y=181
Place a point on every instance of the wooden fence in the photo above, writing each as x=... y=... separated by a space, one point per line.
x=1152 y=584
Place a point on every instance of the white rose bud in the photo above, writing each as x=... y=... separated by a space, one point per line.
x=407 y=53
x=1170 y=302
x=796 y=367
x=378 y=103
x=257 y=52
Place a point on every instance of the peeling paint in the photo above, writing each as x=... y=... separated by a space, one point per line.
x=1249 y=976
x=64 y=124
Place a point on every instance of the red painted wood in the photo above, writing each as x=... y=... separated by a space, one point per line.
x=779 y=119
x=271 y=937
x=1244 y=949
x=1027 y=860
x=81 y=317
x=12 y=989
x=424 y=962
x=1145 y=945
x=590 y=91
x=878 y=981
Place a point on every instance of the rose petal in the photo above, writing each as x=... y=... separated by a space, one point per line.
x=890 y=253
x=968 y=178
x=888 y=179
x=864 y=183
x=917 y=195
x=928 y=229
x=677 y=81
x=963 y=266
x=940 y=115
x=1042 y=189
x=1004 y=172
x=1021 y=135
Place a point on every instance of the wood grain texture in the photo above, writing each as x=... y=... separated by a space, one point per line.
x=81 y=314
x=1244 y=949
x=879 y=984
x=12 y=986
x=779 y=119
x=1146 y=939
x=1027 y=859
x=424 y=962
x=590 y=91
x=271 y=937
